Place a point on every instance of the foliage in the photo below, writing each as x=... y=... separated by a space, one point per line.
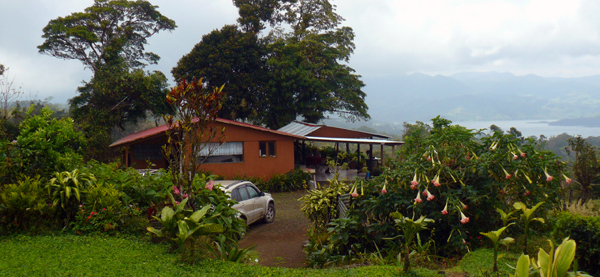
x=44 y=145
x=66 y=189
x=410 y=228
x=106 y=28
x=229 y=251
x=191 y=130
x=553 y=264
x=231 y=57
x=457 y=177
x=114 y=97
x=586 y=231
x=294 y=180
x=494 y=236
x=586 y=167
x=146 y=191
x=298 y=69
x=109 y=38
x=320 y=205
x=23 y=205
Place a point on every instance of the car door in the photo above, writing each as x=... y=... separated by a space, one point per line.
x=244 y=205
x=257 y=209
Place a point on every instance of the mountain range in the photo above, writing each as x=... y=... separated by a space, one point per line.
x=471 y=96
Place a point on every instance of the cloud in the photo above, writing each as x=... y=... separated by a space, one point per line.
x=544 y=37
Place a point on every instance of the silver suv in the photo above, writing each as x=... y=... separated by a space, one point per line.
x=253 y=204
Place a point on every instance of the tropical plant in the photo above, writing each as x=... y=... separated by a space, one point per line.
x=184 y=230
x=409 y=228
x=65 y=190
x=506 y=217
x=527 y=217
x=23 y=205
x=556 y=263
x=494 y=236
x=224 y=250
x=320 y=205
x=191 y=130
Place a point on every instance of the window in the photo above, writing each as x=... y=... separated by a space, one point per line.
x=228 y=152
x=266 y=148
x=243 y=194
x=144 y=152
x=252 y=191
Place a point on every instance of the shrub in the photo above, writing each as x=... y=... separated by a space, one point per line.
x=23 y=205
x=294 y=180
x=44 y=145
x=586 y=232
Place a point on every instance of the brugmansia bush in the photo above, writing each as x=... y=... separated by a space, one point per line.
x=457 y=177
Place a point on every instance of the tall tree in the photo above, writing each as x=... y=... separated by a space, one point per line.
x=106 y=29
x=302 y=70
x=109 y=38
x=233 y=58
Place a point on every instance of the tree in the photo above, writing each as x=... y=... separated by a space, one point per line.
x=190 y=131
x=297 y=69
x=585 y=166
x=109 y=38
x=231 y=57
x=106 y=29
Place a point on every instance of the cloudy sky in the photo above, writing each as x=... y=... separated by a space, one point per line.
x=552 y=38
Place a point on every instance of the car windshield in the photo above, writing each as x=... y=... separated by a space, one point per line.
x=253 y=192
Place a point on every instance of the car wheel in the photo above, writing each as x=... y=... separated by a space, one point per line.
x=270 y=213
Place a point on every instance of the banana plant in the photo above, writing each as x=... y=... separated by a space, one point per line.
x=527 y=217
x=553 y=264
x=410 y=228
x=494 y=236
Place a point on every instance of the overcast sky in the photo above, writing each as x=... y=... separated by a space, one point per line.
x=549 y=38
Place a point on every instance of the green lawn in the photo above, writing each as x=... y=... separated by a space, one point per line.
x=69 y=255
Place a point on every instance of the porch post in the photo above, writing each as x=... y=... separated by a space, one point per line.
x=381 y=154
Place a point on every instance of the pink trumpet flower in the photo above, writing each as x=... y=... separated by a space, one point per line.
x=548 y=176
x=515 y=156
x=353 y=192
x=384 y=190
x=414 y=181
x=567 y=179
x=176 y=190
x=507 y=174
x=463 y=219
x=436 y=180
x=418 y=199
x=445 y=210
x=429 y=195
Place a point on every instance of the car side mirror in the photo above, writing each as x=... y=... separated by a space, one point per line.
x=262 y=193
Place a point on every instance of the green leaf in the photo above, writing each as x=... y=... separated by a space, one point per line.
x=522 y=266
x=563 y=257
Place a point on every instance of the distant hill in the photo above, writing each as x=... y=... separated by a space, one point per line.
x=481 y=96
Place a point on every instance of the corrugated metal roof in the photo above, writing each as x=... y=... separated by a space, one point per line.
x=161 y=129
x=356 y=140
x=299 y=128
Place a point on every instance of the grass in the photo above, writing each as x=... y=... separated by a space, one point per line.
x=479 y=262
x=70 y=255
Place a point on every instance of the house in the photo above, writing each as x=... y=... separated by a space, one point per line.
x=247 y=150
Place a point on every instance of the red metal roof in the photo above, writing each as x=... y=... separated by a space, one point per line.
x=161 y=129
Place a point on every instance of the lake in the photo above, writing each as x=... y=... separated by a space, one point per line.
x=533 y=127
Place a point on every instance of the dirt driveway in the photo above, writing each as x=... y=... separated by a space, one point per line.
x=280 y=243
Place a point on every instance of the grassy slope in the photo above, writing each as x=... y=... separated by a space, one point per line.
x=108 y=256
